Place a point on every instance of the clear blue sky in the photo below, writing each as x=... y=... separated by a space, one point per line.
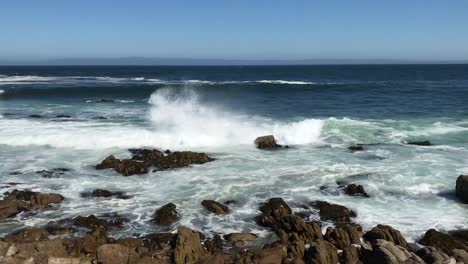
x=326 y=29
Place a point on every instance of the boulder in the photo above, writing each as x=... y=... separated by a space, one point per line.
x=461 y=188
x=420 y=143
x=434 y=255
x=27 y=236
x=460 y=255
x=215 y=207
x=188 y=248
x=443 y=241
x=214 y=245
x=90 y=222
x=166 y=215
x=9 y=208
x=356 y=148
x=344 y=235
x=180 y=159
x=36 y=200
x=355 y=190
x=321 y=252
x=113 y=254
x=271 y=255
x=333 y=212
x=385 y=232
x=234 y=237
x=158 y=240
x=266 y=142
x=124 y=167
x=385 y=252
x=275 y=207
x=350 y=255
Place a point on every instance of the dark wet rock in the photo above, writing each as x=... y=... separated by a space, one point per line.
x=90 y=222
x=124 y=167
x=461 y=188
x=113 y=254
x=350 y=255
x=434 y=255
x=100 y=117
x=35 y=116
x=158 y=240
x=59 y=231
x=234 y=237
x=344 y=235
x=266 y=142
x=356 y=148
x=101 y=193
x=385 y=232
x=180 y=159
x=443 y=241
x=166 y=215
x=385 y=252
x=420 y=143
x=355 y=190
x=54 y=173
x=188 y=247
x=16 y=173
x=27 y=236
x=275 y=207
x=333 y=212
x=35 y=200
x=62 y=116
x=214 y=245
x=215 y=207
x=229 y=202
x=321 y=252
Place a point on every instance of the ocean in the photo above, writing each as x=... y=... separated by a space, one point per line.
x=74 y=117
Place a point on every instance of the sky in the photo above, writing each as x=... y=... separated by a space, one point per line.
x=235 y=30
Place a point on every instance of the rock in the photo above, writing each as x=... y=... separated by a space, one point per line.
x=266 y=142
x=333 y=212
x=344 y=235
x=461 y=188
x=54 y=173
x=386 y=252
x=166 y=215
x=215 y=207
x=53 y=260
x=443 y=241
x=434 y=255
x=460 y=255
x=350 y=255
x=62 y=116
x=100 y=193
x=158 y=240
x=233 y=237
x=90 y=222
x=180 y=159
x=420 y=143
x=188 y=248
x=9 y=208
x=214 y=245
x=27 y=236
x=35 y=116
x=275 y=207
x=356 y=148
x=4 y=246
x=228 y=202
x=355 y=190
x=113 y=254
x=124 y=167
x=36 y=200
x=321 y=252
x=385 y=232
x=215 y=259
x=272 y=255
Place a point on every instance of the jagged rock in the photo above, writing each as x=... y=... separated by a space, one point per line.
x=387 y=233
x=113 y=254
x=36 y=200
x=350 y=255
x=27 y=236
x=166 y=215
x=188 y=248
x=275 y=207
x=461 y=188
x=90 y=222
x=333 y=212
x=272 y=255
x=180 y=159
x=434 y=255
x=442 y=241
x=215 y=207
x=214 y=245
x=355 y=190
x=124 y=167
x=356 y=148
x=233 y=237
x=158 y=240
x=321 y=252
x=11 y=208
x=420 y=143
x=344 y=235
x=101 y=193
x=215 y=259
x=266 y=142
x=385 y=252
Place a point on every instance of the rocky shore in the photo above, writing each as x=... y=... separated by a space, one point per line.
x=86 y=239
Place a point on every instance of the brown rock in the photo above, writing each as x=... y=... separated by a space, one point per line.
x=275 y=207
x=443 y=241
x=434 y=255
x=214 y=245
x=386 y=252
x=9 y=208
x=180 y=159
x=321 y=252
x=356 y=190
x=124 y=167
x=266 y=142
x=386 y=233
x=350 y=255
x=53 y=260
x=91 y=222
x=333 y=212
x=188 y=248
x=215 y=207
x=273 y=255
x=461 y=188
x=113 y=254
x=158 y=240
x=215 y=259
x=233 y=237
x=344 y=235
x=166 y=215
x=27 y=236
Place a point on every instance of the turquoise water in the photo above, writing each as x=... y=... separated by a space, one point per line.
x=318 y=110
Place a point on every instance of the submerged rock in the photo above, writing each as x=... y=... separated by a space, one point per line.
x=215 y=207
x=35 y=116
x=266 y=142
x=333 y=212
x=124 y=167
x=420 y=143
x=356 y=148
x=101 y=193
x=355 y=190
x=461 y=188
x=54 y=173
x=166 y=215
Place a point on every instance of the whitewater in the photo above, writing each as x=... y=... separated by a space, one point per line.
x=76 y=119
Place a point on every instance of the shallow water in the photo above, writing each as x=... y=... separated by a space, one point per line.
x=318 y=111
